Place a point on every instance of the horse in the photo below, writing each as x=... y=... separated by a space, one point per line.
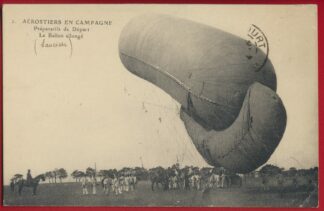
x=158 y=176
x=214 y=180
x=107 y=183
x=132 y=181
x=176 y=177
x=32 y=184
x=195 y=181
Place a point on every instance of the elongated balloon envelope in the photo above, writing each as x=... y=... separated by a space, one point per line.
x=228 y=101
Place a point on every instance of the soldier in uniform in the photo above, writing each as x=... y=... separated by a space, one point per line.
x=12 y=184
x=29 y=177
x=94 y=185
x=84 y=184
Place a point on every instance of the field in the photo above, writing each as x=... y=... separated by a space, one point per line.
x=251 y=195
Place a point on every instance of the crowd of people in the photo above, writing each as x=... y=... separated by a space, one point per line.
x=188 y=178
x=191 y=177
x=110 y=184
x=170 y=178
x=125 y=180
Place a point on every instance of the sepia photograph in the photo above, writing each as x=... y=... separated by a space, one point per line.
x=160 y=105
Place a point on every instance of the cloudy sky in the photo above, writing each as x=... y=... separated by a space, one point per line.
x=71 y=111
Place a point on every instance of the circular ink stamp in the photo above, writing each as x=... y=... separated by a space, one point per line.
x=258 y=48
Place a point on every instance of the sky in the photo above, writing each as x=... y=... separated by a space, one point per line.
x=75 y=110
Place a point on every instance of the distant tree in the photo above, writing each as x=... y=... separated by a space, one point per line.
x=90 y=172
x=141 y=173
x=305 y=172
x=49 y=176
x=101 y=174
x=270 y=170
x=113 y=171
x=105 y=173
x=292 y=172
x=16 y=177
x=302 y=172
x=314 y=172
x=54 y=173
x=75 y=175
x=124 y=171
x=61 y=174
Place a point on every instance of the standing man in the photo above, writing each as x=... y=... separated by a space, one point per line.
x=12 y=184
x=29 y=177
x=84 y=182
x=94 y=185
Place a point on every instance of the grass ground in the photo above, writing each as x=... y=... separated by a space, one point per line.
x=70 y=194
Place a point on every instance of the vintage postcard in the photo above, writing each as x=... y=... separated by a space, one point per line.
x=160 y=105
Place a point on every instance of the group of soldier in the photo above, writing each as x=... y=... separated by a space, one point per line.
x=191 y=178
x=85 y=183
x=110 y=183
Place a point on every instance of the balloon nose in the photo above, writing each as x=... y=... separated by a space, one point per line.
x=250 y=140
x=257 y=130
x=268 y=114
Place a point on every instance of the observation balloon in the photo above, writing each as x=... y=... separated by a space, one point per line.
x=228 y=101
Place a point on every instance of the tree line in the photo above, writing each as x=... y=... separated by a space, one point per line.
x=59 y=174
x=141 y=173
x=272 y=170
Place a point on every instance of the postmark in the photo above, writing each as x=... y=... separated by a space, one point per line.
x=258 y=47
